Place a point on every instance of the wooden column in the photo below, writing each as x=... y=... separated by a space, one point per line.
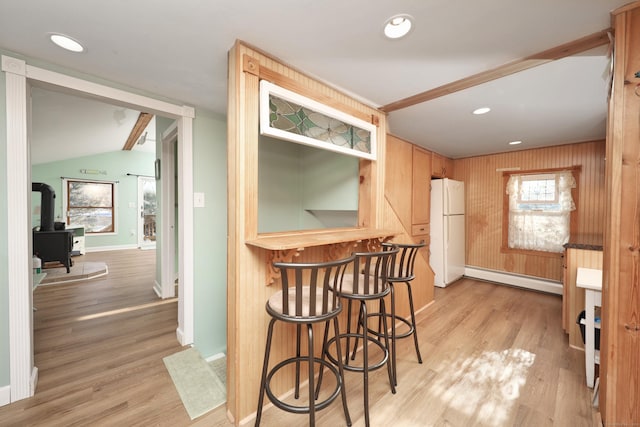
x=620 y=346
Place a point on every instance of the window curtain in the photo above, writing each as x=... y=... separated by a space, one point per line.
x=541 y=230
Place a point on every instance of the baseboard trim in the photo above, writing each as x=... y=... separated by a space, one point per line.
x=180 y=336
x=110 y=248
x=214 y=357
x=157 y=289
x=34 y=380
x=5 y=395
x=518 y=280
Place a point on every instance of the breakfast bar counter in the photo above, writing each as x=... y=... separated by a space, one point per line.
x=297 y=240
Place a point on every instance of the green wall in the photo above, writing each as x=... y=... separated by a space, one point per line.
x=210 y=234
x=209 y=172
x=117 y=165
x=294 y=179
x=4 y=282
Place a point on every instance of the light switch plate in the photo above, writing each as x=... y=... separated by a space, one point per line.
x=198 y=200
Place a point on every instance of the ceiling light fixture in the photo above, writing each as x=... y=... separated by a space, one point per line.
x=66 y=42
x=482 y=110
x=398 y=26
x=515 y=142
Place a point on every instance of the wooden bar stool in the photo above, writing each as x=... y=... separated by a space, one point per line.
x=366 y=283
x=306 y=298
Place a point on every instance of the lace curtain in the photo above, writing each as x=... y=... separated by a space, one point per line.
x=545 y=228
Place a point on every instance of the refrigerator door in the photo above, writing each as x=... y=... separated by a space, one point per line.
x=453 y=197
x=436 y=248
x=454 y=248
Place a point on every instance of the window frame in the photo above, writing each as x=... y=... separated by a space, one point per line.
x=539 y=177
x=114 y=204
x=573 y=215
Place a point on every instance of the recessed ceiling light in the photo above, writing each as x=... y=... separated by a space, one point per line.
x=398 y=26
x=66 y=42
x=515 y=142
x=482 y=110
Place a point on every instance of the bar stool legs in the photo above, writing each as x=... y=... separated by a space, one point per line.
x=362 y=287
x=401 y=272
x=306 y=298
x=313 y=389
x=411 y=324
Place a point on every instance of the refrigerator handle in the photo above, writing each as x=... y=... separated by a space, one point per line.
x=447 y=205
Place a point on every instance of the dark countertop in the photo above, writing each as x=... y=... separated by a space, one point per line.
x=592 y=242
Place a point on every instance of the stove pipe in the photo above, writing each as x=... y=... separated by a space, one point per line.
x=47 y=205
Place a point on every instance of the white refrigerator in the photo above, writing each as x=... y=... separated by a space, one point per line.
x=447 y=231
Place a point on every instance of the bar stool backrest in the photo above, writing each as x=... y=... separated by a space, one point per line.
x=402 y=268
x=307 y=288
x=378 y=266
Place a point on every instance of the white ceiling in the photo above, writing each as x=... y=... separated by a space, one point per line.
x=179 y=51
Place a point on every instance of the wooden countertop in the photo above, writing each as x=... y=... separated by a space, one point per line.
x=306 y=239
x=591 y=242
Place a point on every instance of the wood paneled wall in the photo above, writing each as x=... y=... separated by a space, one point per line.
x=484 y=189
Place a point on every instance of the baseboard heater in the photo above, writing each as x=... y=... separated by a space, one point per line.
x=519 y=280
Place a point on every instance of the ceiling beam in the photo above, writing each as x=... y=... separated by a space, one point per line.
x=568 y=49
x=138 y=128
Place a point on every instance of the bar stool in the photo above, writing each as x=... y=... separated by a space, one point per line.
x=367 y=282
x=307 y=301
x=402 y=272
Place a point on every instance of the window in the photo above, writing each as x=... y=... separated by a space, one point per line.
x=91 y=204
x=539 y=210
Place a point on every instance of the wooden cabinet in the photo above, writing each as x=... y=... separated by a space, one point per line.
x=448 y=167
x=441 y=167
x=438 y=169
x=420 y=192
x=408 y=185
x=573 y=297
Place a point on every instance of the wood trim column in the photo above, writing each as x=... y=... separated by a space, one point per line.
x=18 y=180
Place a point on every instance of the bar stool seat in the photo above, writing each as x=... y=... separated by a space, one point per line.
x=306 y=298
x=361 y=287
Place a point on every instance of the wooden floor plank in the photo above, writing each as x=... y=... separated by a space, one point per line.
x=493 y=356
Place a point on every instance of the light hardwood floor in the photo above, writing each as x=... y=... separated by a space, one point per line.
x=493 y=356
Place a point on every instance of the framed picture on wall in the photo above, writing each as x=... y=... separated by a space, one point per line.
x=287 y=115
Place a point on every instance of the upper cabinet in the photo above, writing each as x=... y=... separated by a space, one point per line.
x=441 y=167
x=421 y=191
x=408 y=185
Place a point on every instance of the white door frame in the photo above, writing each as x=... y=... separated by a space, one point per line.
x=168 y=215
x=142 y=244
x=19 y=77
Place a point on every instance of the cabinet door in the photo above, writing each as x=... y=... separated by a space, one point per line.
x=437 y=166
x=398 y=178
x=448 y=168
x=421 y=189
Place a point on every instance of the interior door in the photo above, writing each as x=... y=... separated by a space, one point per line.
x=147 y=206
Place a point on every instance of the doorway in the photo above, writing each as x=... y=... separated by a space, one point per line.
x=19 y=78
x=148 y=209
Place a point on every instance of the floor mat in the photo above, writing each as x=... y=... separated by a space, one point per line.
x=197 y=383
x=79 y=271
